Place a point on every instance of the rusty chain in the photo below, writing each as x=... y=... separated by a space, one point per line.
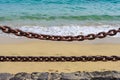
x=58 y=59
x=18 y=32
x=31 y=35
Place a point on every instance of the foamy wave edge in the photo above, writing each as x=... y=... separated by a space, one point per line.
x=68 y=30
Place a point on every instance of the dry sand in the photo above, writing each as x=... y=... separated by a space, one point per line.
x=27 y=47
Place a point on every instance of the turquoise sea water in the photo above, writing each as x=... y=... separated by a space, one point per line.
x=56 y=13
x=59 y=9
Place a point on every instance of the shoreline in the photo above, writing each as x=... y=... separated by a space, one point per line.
x=32 y=47
x=12 y=40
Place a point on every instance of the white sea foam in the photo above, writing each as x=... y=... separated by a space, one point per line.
x=67 y=30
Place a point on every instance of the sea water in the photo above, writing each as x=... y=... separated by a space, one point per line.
x=61 y=17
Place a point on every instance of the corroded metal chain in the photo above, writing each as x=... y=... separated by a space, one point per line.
x=58 y=59
x=18 y=32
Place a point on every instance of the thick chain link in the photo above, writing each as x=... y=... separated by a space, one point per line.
x=18 y=32
x=58 y=59
x=31 y=35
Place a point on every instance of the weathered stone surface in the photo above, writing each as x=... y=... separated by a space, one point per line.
x=5 y=76
x=40 y=76
x=70 y=76
x=106 y=75
x=22 y=76
x=55 y=76
x=106 y=78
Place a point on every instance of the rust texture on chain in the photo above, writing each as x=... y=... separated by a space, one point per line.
x=58 y=58
x=31 y=35
x=18 y=32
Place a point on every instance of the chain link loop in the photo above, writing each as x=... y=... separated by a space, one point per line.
x=58 y=59
x=31 y=35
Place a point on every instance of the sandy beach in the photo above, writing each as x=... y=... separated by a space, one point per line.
x=31 y=47
x=59 y=19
